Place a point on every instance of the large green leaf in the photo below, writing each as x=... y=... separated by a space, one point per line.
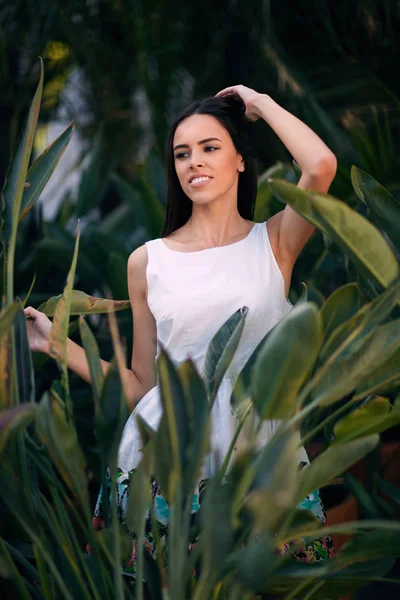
x=9 y=570
x=82 y=304
x=385 y=209
x=285 y=361
x=8 y=391
x=371 y=545
x=241 y=393
x=15 y=181
x=360 y=240
x=111 y=415
x=60 y=439
x=218 y=534
x=339 y=307
x=381 y=380
x=197 y=409
x=221 y=349
x=93 y=358
x=335 y=460
x=154 y=210
x=350 y=335
x=23 y=357
x=264 y=205
x=373 y=417
x=59 y=332
x=331 y=578
x=14 y=419
x=175 y=410
x=7 y=318
x=342 y=373
x=42 y=169
x=274 y=480
x=94 y=177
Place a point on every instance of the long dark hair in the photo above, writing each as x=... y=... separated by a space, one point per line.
x=230 y=113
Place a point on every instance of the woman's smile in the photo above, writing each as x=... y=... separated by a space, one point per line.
x=200 y=181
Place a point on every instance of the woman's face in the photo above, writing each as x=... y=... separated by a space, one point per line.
x=206 y=161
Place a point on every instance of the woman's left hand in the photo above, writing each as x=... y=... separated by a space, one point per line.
x=247 y=95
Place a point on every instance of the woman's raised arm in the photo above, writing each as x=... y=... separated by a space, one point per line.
x=289 y=232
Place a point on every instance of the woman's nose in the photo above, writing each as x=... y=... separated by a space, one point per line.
x=196 y=162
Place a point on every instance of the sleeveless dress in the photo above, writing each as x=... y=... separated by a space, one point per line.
x=191 y=295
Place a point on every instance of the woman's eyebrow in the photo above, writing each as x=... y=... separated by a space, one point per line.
x=201 y=142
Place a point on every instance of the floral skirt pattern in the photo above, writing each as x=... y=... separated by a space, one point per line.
x=312 y=552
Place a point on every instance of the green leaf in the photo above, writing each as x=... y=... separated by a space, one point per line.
x=340 y=307
x=385 y=209
x=42 y=169
x=366 y=502
x=93 y=358
x=390 y=490
x=335 y=460
x=346 y=370
x=7 y=318
x=370 y=546
x=132 y=200
x=353 y=333
x=381 y=380
x=221 y=349
x=197 y=410
x=10 y=570
x=217 y=526
x=82 y=304
x=175 y=410
x=331 y=578
x=241 y=399
x=58 y=336
x=373 y=417
x=94 y=177
x=304 y=294
x=274 y=484
x=139 y=495
x=23 y=357
x=117 y=276
x=14 y=184
x=14 y=419
x=111 y=415
x=154 y=210
x=8 y=390
x=264 y=208
x=360 y=240
x=285 y=361
x=61 y=441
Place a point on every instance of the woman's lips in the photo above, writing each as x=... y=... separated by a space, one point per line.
x=200 y=182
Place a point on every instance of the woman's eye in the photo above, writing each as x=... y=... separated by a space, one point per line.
x=181 y=155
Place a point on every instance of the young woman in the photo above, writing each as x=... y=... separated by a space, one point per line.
x=210 y=261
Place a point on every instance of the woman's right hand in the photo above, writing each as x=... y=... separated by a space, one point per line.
x=38 y=326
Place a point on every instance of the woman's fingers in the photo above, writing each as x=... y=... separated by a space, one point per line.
x=29 y=311
x=229 y=91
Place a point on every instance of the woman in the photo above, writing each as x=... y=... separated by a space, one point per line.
x=211 y=260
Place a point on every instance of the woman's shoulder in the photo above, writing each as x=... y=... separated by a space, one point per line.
x=137 y=261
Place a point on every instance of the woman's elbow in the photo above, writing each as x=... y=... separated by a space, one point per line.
x=326 y=166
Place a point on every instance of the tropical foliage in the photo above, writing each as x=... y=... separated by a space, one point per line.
x=336 y=358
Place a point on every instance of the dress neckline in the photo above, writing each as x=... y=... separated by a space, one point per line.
x=208 y=249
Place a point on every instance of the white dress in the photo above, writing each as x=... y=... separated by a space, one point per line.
x=191 y=295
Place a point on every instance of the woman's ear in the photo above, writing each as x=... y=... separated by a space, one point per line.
x=241 y=166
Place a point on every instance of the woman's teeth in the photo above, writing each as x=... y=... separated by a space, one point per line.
x=200 y=179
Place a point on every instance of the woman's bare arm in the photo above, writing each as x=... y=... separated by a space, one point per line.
x=141 y=377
